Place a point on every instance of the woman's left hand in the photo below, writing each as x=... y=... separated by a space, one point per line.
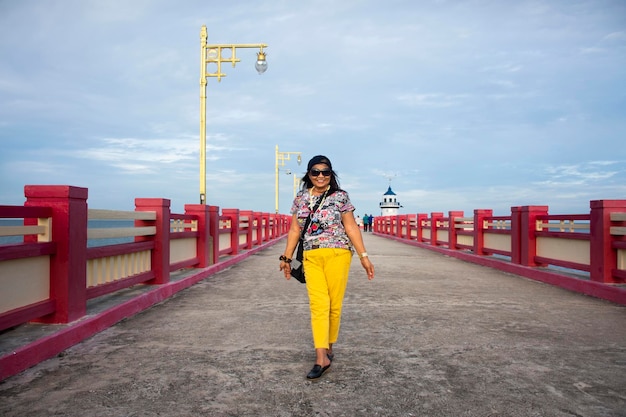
x=368 y=266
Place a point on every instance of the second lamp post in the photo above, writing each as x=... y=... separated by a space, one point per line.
x=281 y=157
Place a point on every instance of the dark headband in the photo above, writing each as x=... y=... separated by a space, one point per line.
x=319 y=159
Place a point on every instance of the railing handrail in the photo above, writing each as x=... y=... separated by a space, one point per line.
x=103 y=214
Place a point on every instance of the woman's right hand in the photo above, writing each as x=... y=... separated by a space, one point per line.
x=286 y=268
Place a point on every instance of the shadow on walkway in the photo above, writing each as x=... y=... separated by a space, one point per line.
x=429 y=336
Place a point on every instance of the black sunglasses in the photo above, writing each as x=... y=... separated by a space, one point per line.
x=317 y=172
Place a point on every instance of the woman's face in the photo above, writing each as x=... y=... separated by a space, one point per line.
x=320 y=175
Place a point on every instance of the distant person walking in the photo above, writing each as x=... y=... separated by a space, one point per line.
x=370 y=222
x=329 y=240
x=366 y=222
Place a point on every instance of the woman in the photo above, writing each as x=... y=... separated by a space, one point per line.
x=329 y=240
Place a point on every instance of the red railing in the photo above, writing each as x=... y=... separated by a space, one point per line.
x=551 y=248
x=51 y=274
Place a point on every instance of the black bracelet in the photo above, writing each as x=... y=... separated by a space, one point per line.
x=284 y=259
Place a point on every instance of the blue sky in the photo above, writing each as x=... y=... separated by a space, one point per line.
x=457 y=104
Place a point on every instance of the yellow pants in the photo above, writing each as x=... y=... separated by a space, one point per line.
x=326 y=280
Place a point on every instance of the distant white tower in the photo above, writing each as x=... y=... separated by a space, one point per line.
x=390 y=205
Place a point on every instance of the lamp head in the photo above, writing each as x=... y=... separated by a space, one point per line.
x=299 y=159
x=261 y=63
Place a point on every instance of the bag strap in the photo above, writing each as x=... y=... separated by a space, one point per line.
x=308 y=219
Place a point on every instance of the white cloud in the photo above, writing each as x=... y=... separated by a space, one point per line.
x=619 y=36
x=432 y=99
x=581 y=174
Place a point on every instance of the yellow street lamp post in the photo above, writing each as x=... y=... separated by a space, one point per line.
x=281 y=157
x=296 y=184
x=212 y=54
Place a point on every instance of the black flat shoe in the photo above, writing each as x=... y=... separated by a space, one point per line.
x=317 y=371
x=331 y=356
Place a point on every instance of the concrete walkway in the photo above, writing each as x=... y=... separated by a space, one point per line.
x=429 y=336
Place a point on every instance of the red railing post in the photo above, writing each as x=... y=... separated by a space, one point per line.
x=203 y=241
x=214 y=233
x=398 y=218
x=160 y=256
x=407 y=228
x=603 y=257
x=528 y=239
x=435 y=218
x=233 y=215
x=68 y=265
x=266 y=227
x=401 y=226
x=258 y=227
x=249 y=234
x=479 y=227
x=409 y=233
x=420 y=226
x=516 y=235
x=280 y=225
x=452 y=231
x=280 y=219
x=272 y=225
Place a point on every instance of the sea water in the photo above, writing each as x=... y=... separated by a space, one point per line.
x=91 y=224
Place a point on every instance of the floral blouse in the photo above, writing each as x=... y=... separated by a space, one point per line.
x=325 y=229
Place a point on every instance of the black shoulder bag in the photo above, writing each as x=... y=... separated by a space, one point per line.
x=297 y=269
